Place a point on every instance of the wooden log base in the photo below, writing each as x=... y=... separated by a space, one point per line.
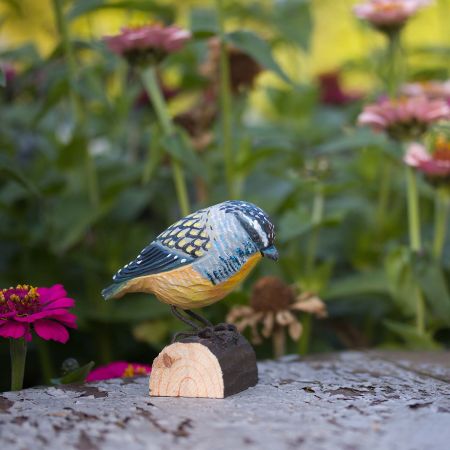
x=217 y=366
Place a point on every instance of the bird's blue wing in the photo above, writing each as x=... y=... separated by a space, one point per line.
x=155 y=258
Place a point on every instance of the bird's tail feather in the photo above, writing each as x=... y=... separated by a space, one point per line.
x=112 y=291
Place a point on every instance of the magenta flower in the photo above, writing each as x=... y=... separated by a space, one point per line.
x=147 y=44
x=435 y=165
x=118 y=369
x=331 y=92
x=388 y=14
x=404 y=118
x=44 y=310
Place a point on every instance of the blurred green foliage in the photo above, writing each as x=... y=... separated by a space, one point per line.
x=85 y=184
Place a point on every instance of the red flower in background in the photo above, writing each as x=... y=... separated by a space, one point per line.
x=331 y=92
x=147 y=43
x=44 y=310
x=404 y=118
x=118 y=369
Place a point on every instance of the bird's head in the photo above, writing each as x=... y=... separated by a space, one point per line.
x=257 y=225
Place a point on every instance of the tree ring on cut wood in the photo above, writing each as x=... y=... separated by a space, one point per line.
x=212 y=367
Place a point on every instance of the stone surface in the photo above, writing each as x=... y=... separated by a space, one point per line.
x=348 y=401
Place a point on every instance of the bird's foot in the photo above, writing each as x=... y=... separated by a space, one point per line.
x=223 y=332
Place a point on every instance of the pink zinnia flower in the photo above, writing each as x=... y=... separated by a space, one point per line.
x=431 y=89
x=45 y=310
x=405 y=118
x=388 y=14
x=118 y=369
x=435 y=165
x=148 y=43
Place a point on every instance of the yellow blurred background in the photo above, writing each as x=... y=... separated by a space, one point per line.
x=338 y=36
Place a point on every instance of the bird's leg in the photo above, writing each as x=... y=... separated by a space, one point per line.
x=209 y=331
x=183 y=334
x=198 y=317
x=184 y=319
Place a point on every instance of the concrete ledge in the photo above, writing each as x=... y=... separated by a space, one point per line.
x=349 y=401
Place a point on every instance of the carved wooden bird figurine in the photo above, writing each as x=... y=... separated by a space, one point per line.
x=199 y=259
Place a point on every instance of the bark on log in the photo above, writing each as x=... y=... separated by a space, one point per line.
x=214 y=367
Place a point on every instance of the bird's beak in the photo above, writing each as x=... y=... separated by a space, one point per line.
x=270 y=252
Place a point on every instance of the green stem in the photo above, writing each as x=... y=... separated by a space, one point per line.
x=384 y=192
x=395 y=63
x=68 y=53
x=151 y=85
x=278 y=341
x=105 y=347
x=413 y=211
x=226 y=105
x=420 y=312
x=63 y=30
x=45 y=360
x=316 y=220
x=317 y=212
x=415 y=241
x=303 y=345
x=18 y=351
x=440 y=223
x=153 y=158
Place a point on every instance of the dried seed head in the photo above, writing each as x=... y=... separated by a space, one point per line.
x=271 y=294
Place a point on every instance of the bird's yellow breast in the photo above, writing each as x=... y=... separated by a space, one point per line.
x=186 y=288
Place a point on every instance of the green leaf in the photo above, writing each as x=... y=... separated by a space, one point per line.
x=156 y=332
x=71 y=219
x=177 y=146
x=294 y=20
x=295 y=224
x=402 y=281
x=318 y=279
x=76 y=376
x=356 y=140
x=83 y=7
x=364 y=283
x=412 y=339
x=204 y=23
x=134 y=309
x=431 y=278
x=258 y=49
x=7 y=167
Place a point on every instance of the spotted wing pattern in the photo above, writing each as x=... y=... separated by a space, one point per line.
x=189 y=235
x=155 y=258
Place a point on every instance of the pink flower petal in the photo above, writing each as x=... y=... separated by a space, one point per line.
x=51 y=293
x=68 y=320
x=112 y=370
x=116 y=369
x=148 y=38
x=12 y=329
x=416 y=154
x=60 y=303
x=370 y=118
x=46 y=313
x=51 y=330
x=435 y=168
x=6 y=315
